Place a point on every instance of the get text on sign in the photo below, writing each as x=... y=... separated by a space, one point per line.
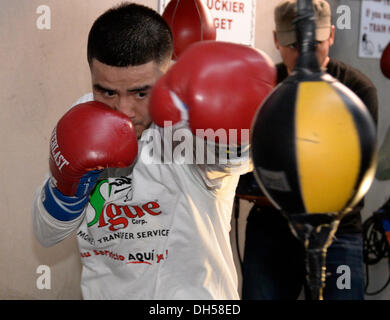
x=234 y=20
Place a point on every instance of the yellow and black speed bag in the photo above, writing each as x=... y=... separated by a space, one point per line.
x=313 y=146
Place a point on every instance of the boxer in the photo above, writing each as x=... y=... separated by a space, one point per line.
x=146 y=230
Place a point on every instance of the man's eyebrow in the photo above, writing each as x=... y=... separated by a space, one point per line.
x=140 y=89
x=132 y=90
x=101 y=88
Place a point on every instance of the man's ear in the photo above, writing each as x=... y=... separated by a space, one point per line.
x=331 y=38
x=276 y=40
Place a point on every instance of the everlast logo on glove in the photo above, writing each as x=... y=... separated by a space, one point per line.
x=58 y=158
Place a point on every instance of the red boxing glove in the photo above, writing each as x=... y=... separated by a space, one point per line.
x=385 y=61
x=90 y=136
x=219 y=84
x=190 y=21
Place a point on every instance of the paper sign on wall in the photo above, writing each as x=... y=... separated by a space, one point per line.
x=233 y=19
x=374 y=28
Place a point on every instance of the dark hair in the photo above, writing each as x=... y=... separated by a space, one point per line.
x=129 y=35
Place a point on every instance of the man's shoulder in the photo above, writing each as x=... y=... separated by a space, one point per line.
x=358 y=82
x=348 y=74
x=85 y=98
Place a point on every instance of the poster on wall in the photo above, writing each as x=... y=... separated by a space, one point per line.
x=234 y=20
x=374 y=28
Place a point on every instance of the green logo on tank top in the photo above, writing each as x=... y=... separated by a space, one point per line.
x=98 y=197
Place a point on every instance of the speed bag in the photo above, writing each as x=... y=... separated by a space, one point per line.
x=313 y=146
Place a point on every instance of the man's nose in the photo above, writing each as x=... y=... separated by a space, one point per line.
x=126 y=106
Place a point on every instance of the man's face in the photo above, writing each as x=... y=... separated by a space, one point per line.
x=290 y=53
x=126 y=89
